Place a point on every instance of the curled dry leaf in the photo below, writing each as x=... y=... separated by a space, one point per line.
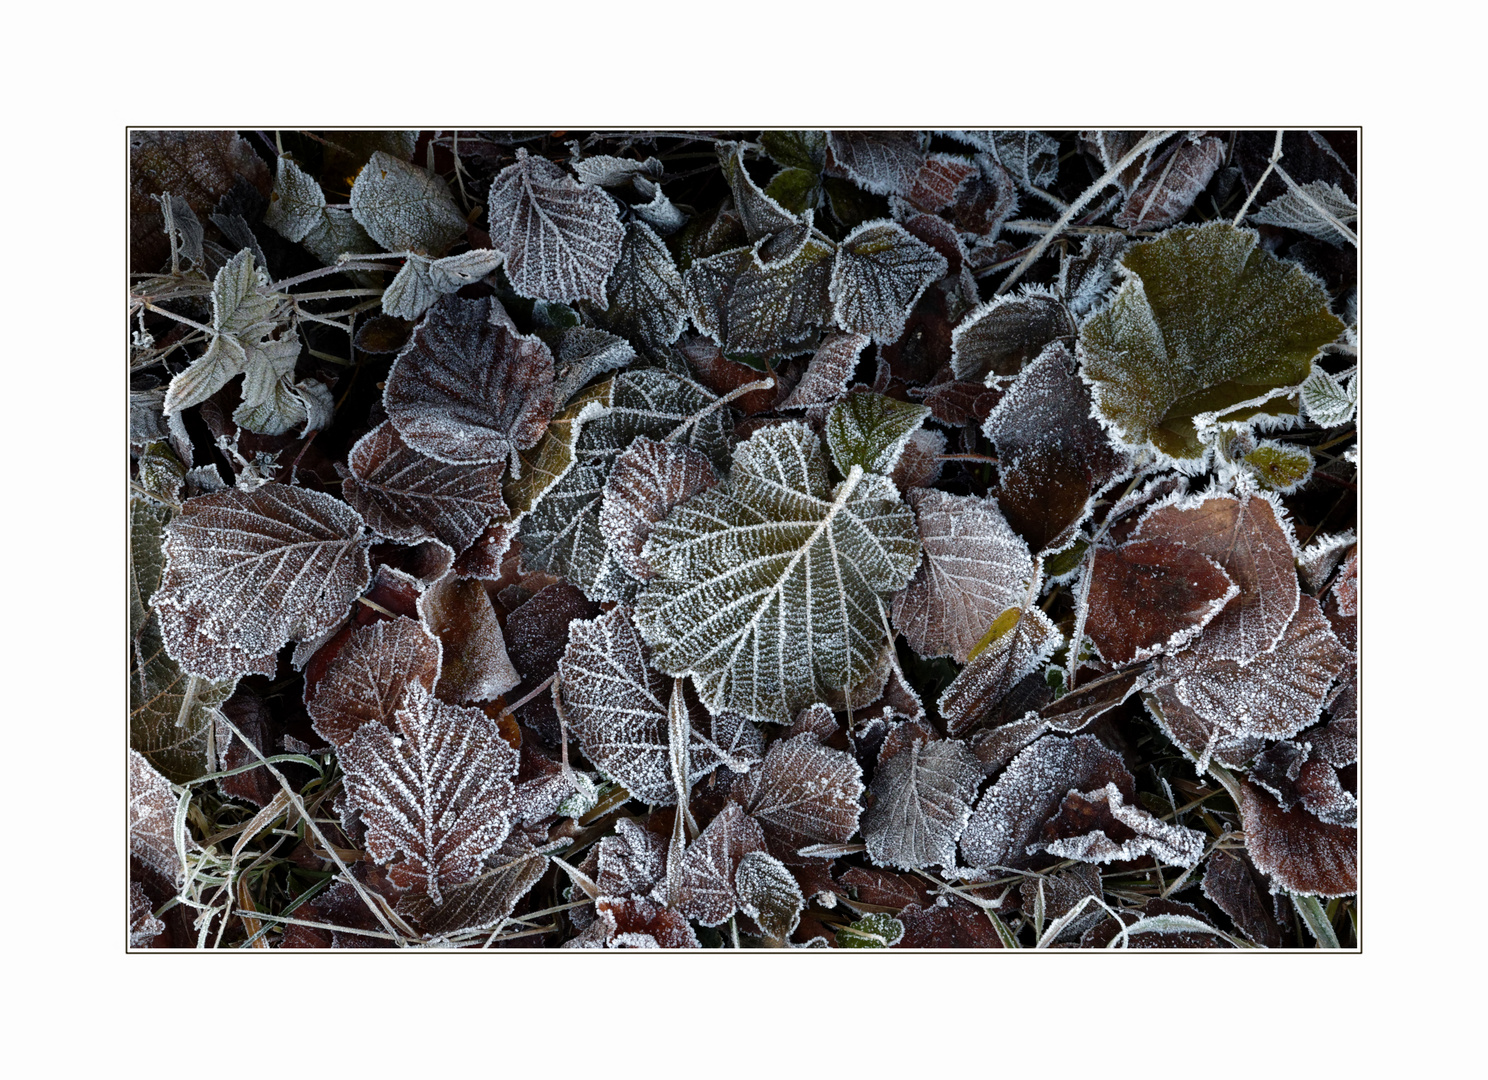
x=1101 y=827
x=247 y=572
x=466 y=389
x=475 y=665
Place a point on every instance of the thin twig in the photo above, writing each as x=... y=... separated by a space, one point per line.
x=1275 y=157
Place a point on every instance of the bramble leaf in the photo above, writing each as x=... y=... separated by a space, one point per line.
x=870 y=431
x=879 y=274
x=404 y=208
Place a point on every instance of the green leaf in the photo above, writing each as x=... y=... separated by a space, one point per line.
x=879 y=930
x=769 y=588
x=871 y=430
x=1204 y=321
x=1280 y=467
x=403 y=208
x=795 y=189
x=1329 y=403
x=804 y=150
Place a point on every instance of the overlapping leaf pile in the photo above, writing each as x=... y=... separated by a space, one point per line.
x=884 y=539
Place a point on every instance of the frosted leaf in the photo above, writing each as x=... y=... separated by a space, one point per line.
x=734 y=742
x=415 y=288
x=768 y=587
x=339 y=234
x=1277 y=693
x=878 y=930
x=561 y=238
x=144 y=927
x=404 y=208
x=883 y=162
x=645 y=296
x=1240 y=892
x=880 y=272
x=1101 y=827
x=252 y=335
x=659 y=213
x=1291 y=773
x=1011 y=815
x=1278 y=466
x=475 y=666
x=367 y=680
x=466 y=390
x=1346 y=587
x=454 y=272
x=486 y=900
x=644 y=485
x=152 y=821
x=1059 y=893
x=1017 y=644
x=1151 y=596
x=1162 y=924
x=804 y=793
x=604 y=170
x=1201 y=740
x=760 y=215
x=937 y=182
x=170 y=712
x=1002 y=335
x=1171 y=182
x=707 y=893
x=436 y=793
x=247 y=572
x=408 y=497
x=1249 y=538
x=828 y=372
x=547 y=462
x=632 y=862
x=1084 y=278
x=536 y=635
x=582 y=354
x=1205 y=320
x=1329 y=404
x=984 y=201
x=920 y=463
x=953 y=924
x=776 y=309
x=769 y=895
x=707 y=286
x=975 y=568
x=955 y=403
x=923 y=791
x=870 y=431
x=1109 y=147
x=1031 y=156
x=645 y=924
x=562 y=535
x=1315 y=208
x=1083 y=706
x=296 y=204
x=805 y=150
x=200 y=167
x=1299 y=852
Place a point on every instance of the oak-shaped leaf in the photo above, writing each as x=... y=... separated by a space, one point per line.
x=408 y=497
x=366 y=681
x=1151 y=596
x=881 y=270
x=468 y=390
x=1204 y=322
x=247 y=572
x=883 y=162
x=1017 y=643
x=804 y=793
x=869 y=431
x=562 y=535
x=707 y=891
x=1002 y=335
x=646 y=482
x=1011 y=815
x=1171 y=182
x=975 y=568
x=923 y=790
x=485 y=900
x=561 y=238
x=404 y=208
x=1249 y=536
x=1319 y=209
x=1240 y=891
x=475 y=665
x=1100 y=826
x=645 y=298
x=828 y=372
x=1299 y=852
x=769 y=894
x=435 y=792
x=171 y=713
x=768 y=588
x=1053 y=458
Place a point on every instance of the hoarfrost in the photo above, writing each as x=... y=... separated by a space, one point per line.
x=646 y=482
x=1316 y=208
x=485 y=901
x=1298 y=851
x=475 y=665
x=827 y=374
x=367 y=680
x=1171 y=182
x=1100 y=827
x=804 y=793
x=769 y=895
x=880 y=272
x=1002 y=335
x=883 y=162
x=645 y=295
x=706 y=893
x=1012 y=652
x=1151 y=596
x=1328 y=403
x=870 y=430
x=404 y=208
x=923 y=792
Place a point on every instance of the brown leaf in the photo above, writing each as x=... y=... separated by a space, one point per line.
x=1170 y=184
x=919 y=462
x=1001 y=336
x=1014 y=652
x=707 y=892
x=1239 y=890
x=1100 y=826
x=1151 y=596
x=646 y=482
x=955 y=403
x=367 y=680
x=883 y=162
x=922 y=794
x=947 y=924
x=1195 y=736
x=804 y=792
x=939 y=179
x=465 y=389
x=476 y=666
x=406 y=496
x=645 y=924
x=827 y=374
x=1302 y=854
x=882 y=888
x=484 y=901
x=632 y=862
x=536 y=635
x=198 y=166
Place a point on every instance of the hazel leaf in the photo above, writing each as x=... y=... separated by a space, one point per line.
x=367 y=680
x=1002 y=335
x=404 y=208
x=645 y=296
x=646 y=483
x=1150 y=596
x=707 y=892
x=883 y=162
x=1017 y=643
x=923 y=791
x=881 y=270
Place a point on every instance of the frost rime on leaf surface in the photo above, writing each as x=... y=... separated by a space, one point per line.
x=883 y=162
x=408 y=497
x=870 y=431
x=436 y=792
x=1173 y=180
x=152 y=821
x=646 y=299
x=1148 y=596
x=923 y=792
x=1002 y=335
x=768 y=894
x=1309 y=208
x=828 y=372
x=707 y=892
x=769 y=587
x=561 y=238
x=465 y=390
x=645 y=484
x=804 y=793
x=760 y=215
x=475 y=665
x=367 y=680
x=1101 y=827
x=1013 y=652
x=879 y=273
x=975 y=568
x=486 y=900
x=296 y=205
x=247 y=572
x=1300 y=853
x=404 y=208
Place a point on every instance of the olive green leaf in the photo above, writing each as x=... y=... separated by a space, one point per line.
x=871 y=430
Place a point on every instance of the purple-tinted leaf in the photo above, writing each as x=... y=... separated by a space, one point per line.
x=1170 y=184
x=805 y=792
x=645 y=483
x=1150 y=596
x=881 y=270
x=828 y=373
x=646 y=300
x=1301 y=853
x=883 y=162
x=368 y=679
x=707 y=893
x=923 y=792
x=1019 y=643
